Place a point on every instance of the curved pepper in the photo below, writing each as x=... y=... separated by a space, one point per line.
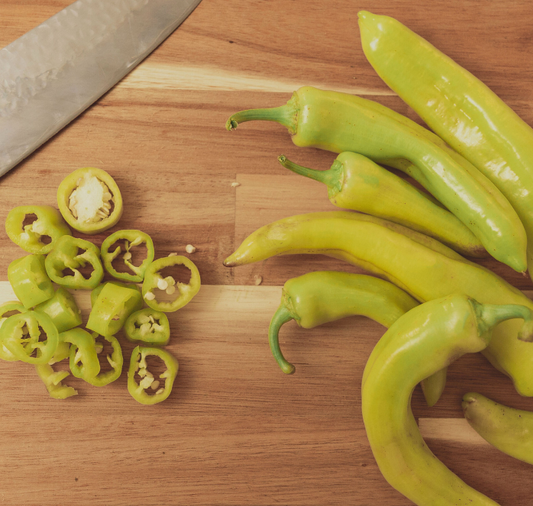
x=66 y=263
x=95 y=292
x=53 y=382
x=156 y=287
x=147 y=326
x=115 y=359
x=131 y=239
x=83 y=356
x=426 y=271
x=112 y=307
x=22 y=335
x=423 y=341
x=35 y=228
x=29 y=280
x=356 y=182
x=139 y=367
x=341 y=122
x=90 y=200
x=7 y=309
x=63 y=310
x=461 y=109
x=510 y=430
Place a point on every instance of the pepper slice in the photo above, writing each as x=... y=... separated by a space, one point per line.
x=131 y=239
x=35 y=228
x=139 y=367
x=63 y=310
x=115 y=360
x=168 y=285
x=90 y=200
x=112 y=307
x=83 y=359
x=69 y=255
x=148 y=326
x=21 y=334
x=95 y=292
x=29 y=280
x=13 y=307
x=53 y=382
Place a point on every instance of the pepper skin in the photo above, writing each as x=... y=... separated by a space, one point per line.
x=426 y=271
x=131 y=239
x=7 y=309
x=455 y=104
x=63 y=310
x=355 y=182
x=38 y=236
x=423 y=341
x=341 y=122
x=115 y=359
x=83 y=356
x=147 y=326
x=70 y=255
x=90 y=200
x=139 y=367
x=53 y=382
x=156 y=287
x=508 y=429
x=29 y=280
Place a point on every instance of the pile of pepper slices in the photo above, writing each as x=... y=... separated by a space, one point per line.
x=476 y=164
x=45 y=326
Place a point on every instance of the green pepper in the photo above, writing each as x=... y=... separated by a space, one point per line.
x=111 y=249
x=29 y=280
x=112 y=307
x=84 y=362
x=155 y=287
x=69 y=257
x=340 y=122
x=35 y=228
x=90 y=200
x=6 y=309
x=355 y=182
x=53 y=382
x=458 y=107
x=22 y=335
x=139 y=367
x=115 y=359
x=148 y=326
x=423 y=341
x=63 y=310
x=95 y=292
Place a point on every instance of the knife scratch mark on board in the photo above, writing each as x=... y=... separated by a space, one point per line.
x=168 y=76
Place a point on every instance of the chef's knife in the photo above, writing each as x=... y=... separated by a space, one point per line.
x=54 y=72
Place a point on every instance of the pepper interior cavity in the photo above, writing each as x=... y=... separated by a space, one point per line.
x=91 y=201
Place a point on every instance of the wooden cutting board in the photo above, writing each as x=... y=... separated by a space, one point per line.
x=237 y=431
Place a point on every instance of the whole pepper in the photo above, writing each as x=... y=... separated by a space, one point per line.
x=341 y=122
x=426 y=271
x=510 y=430
x=355 y=182
x=461 y=109
x=425 y=340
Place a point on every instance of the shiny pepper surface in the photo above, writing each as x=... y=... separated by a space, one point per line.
x=455 y=104
x=341 y=122
x=29 y=280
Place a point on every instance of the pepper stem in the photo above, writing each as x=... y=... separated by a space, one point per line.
x=281 y=316
x=331 y=177
x=285 y=115
x=490 y=315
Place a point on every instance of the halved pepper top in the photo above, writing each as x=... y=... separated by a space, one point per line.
x=35 y=228
x=90 y=200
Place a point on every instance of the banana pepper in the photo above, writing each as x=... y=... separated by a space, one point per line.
x=341 y=122
x=148 y=326
x=29 y=280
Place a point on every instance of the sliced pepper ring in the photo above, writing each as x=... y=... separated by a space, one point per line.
x=153 y=281
x=6 y=308
x=132 y=239
x=71 y=254
x=63 y=310
x=21 y=334
x=148 y=326
x=39 y=235
x=53 y=382
x=29 y=280
x=83 y=359
x=115 y=360
x=90 y=200
x=139 y=367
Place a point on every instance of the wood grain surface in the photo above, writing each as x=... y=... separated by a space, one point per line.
x=236 y=430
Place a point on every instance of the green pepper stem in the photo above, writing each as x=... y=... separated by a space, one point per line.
x=490 y=315
x=284 y=115
x=281 y=316
x=331 y=177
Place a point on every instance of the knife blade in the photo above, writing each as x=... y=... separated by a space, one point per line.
x=57 y=70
